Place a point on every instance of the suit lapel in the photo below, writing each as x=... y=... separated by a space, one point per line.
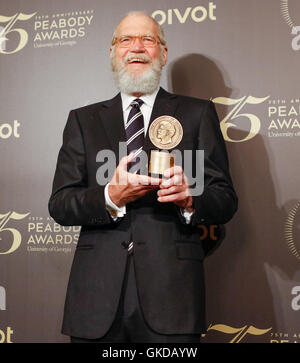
x=111 y=114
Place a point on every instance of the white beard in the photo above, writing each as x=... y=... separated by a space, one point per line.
x=145 y=83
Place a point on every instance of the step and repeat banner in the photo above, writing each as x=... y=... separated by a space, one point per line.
x=243 y=55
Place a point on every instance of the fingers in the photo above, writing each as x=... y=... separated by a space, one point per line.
x=168 y=173
x=176 y=179
x=136 y=179
x=125 y=161
x=171 y=190
x=176 y=188
x=124 y=177
x=174 y=197
x=143 y=180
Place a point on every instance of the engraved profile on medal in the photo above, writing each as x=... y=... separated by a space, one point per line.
x=165 y=132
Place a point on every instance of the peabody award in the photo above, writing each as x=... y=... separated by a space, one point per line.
x=165 y=133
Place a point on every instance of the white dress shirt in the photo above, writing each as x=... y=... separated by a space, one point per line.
x=146 y=109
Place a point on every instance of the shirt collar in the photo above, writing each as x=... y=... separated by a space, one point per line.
x=148 y=99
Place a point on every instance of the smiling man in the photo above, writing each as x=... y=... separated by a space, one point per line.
x=138 y=54
x=137 y=273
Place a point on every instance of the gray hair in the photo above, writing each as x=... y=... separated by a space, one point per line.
x=161 y=34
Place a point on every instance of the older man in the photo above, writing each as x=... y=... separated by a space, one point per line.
x=137 y=273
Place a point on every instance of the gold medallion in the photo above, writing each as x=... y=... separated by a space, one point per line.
x=165 y=132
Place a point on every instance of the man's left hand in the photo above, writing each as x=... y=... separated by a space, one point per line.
x=176 y=189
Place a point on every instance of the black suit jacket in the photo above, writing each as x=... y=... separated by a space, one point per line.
x=168 y=253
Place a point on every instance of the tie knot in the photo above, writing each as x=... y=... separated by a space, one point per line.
x=137 y=103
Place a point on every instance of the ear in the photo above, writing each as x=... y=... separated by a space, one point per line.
x=165 y=54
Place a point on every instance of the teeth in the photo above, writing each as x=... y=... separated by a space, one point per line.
x=136 y=60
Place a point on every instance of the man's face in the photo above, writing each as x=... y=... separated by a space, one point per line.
x=138 y=58
x=162 y=132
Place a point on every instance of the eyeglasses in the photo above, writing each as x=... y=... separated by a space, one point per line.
x=126 y=41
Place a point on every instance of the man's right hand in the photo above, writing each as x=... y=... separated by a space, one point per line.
x=126 y=187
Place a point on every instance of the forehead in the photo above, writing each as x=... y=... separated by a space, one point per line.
x=137 y=24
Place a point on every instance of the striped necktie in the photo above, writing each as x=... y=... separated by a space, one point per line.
x=135 y=130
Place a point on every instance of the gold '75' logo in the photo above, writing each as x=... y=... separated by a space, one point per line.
x=9 y=28
x=16 y=235
x=234 y=114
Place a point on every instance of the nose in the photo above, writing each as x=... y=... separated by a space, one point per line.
x=137 y=45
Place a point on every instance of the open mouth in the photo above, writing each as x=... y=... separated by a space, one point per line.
x=136 y=61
